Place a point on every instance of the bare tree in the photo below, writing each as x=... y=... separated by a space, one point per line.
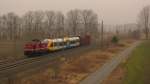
x=12 y=25
x=144 y=20
x=102 y=34
x=90 y=22
x=28 y=25
x=73 y=19
x=87 y=15
x=33 y=24
x=38 y=23
x=1 y=28
x=60 y=24
x=49 y=22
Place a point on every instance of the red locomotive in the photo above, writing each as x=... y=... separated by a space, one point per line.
x=35 y=47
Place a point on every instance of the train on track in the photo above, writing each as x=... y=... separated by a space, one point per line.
x=37 y=47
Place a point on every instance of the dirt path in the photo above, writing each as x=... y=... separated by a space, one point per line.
x=98 y=76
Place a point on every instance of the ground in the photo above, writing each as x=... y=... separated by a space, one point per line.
x=72 y=71
x=136 y=70
x=11 y=50
x=116 y=76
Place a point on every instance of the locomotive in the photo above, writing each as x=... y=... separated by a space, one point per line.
x=51 y=45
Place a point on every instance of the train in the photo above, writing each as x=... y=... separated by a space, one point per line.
x=38 y=47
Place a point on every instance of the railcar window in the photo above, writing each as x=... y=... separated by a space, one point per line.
x=68 y=42
x=54 y=43
x=57 y=43
x=61 y=43
x=73 y=42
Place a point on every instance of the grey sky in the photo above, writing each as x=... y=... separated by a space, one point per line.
x=112 y=11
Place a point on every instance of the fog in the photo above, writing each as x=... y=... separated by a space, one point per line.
x=111 y=11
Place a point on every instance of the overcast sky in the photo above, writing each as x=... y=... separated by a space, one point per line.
x=112 y=11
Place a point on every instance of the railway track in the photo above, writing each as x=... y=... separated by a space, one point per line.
x=7 y=69
x=8 y=61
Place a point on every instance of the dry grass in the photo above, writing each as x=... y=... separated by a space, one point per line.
x=115 y=48
x=71 y=71
x=74 y=70
x=10 y=50
x=116 y=76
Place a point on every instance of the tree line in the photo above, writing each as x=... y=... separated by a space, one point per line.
x=144 y=21
x=48 y=24
x=52 y=24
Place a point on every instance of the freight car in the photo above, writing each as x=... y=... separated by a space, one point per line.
x=36 y=47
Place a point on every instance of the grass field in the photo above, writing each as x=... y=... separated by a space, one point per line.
x=138 y=66
x=11 y=50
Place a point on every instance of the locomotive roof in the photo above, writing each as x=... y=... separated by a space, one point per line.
x=60 y=39
x=73 y=38
x=57 y=40
x=46 y=40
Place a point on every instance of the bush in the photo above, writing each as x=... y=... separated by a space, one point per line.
x=115 y=40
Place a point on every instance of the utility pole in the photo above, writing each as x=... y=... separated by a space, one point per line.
x=102 y=34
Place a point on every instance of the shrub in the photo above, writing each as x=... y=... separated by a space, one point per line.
x=115 y=40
